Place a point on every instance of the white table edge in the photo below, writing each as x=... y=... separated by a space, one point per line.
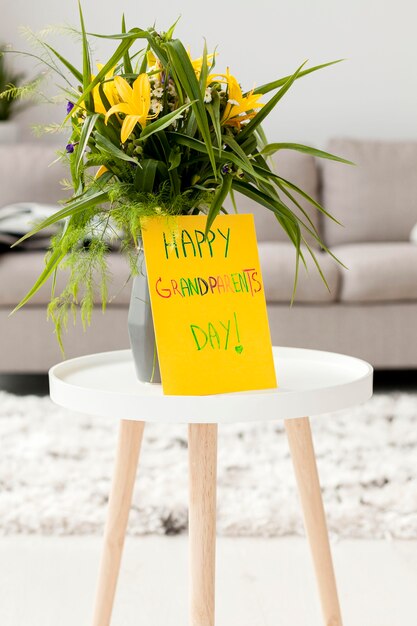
x=235 y=407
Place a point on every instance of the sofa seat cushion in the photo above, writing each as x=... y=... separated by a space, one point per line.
x=378 y=272
x=278 y=268
x=20 y=270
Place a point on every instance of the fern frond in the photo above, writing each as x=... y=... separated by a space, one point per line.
x=46 y=129
x=22 y=92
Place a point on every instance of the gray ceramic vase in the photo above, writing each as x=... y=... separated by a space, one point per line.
x=141 y=330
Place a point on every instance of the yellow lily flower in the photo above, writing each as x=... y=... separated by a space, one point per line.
x=109 y=91
x=135 y=104
x=239 y=108
x=198 y=63
x=154 y=64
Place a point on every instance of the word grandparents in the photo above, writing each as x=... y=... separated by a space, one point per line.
x=245 y=281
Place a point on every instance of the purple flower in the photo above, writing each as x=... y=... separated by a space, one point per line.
x=70 y=147
x=70 y=106
x=226 y=169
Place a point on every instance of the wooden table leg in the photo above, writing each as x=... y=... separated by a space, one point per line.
x=202 y=446
x=304 y=460
x=127 y=455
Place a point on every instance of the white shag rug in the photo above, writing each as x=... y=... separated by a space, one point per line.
x=55 y=470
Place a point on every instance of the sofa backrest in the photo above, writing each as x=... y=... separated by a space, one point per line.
x=301 y=170
x=26 y=174
x=375 y=200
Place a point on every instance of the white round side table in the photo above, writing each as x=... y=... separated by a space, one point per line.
x=310 y=382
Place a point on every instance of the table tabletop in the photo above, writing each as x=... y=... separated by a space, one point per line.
x=311 y=382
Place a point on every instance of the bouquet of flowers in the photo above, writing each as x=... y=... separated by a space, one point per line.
x=154 y=131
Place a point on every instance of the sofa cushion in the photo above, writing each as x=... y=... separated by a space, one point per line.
x=378 y=272
x=301 y=170
x=278 y=268
x=26 y=174
x=376 y=200
x=19 y=271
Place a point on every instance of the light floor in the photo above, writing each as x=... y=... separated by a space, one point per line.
x=260 y=582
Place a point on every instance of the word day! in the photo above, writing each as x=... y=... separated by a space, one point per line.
x=196 y=244
x=217 y=336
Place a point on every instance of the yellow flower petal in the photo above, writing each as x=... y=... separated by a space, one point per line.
x=119 y=108
x=124 y=89
x=109 y=91
x=128 y=126
x=101 y=171
x=151 y=59
x=237 y=103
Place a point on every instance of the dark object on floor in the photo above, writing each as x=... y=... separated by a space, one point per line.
x=25 y=384
x=37 y=384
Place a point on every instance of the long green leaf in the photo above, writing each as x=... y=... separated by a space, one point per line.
x=219 y=197
x=284 y=217
x=107 y=146
x=86 y=55
x=116 y=56
x=309 y=229
x=230 y=141
x=298 y=205
x=172 y=172
x=86 y=131
x=85 y=201
x=203 y=73
x=267 y=87
x=213 y=109
x=127 y=64
x=261 y=115
x=291 y=227
x=163 y=122
x=302 y=193
x=137 y=33
x=52 y=263
x=145 y=177
x=78 y=75
x=184 y=70
x=317 y=264
x=272 y=148
x=220 y=155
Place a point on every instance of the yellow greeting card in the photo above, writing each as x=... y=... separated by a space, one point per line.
x=208 y=305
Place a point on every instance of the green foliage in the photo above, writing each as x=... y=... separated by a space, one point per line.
x=170 y=136
x=10 y=88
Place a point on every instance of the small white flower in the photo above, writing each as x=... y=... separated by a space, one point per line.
x=234 y=102
x=207 y=95
x=156 y=106
x=158 y=92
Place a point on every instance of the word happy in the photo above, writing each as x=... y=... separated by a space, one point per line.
x=195 y=243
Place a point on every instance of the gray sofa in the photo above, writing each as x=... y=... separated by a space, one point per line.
x=369 y=312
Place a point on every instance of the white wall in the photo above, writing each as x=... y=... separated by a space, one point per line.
x=372 y=94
